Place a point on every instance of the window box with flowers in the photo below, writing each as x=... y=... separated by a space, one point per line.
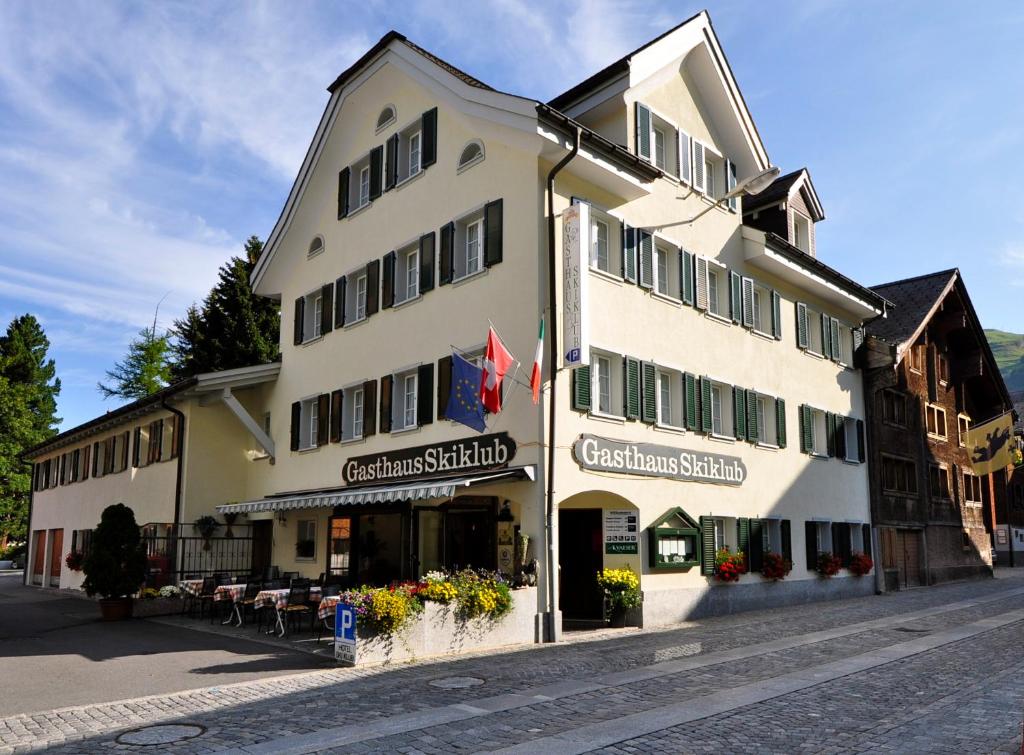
x=775 y=566
x=729 y=566
x=860 y=564
x=828 y=565
x=74 y=560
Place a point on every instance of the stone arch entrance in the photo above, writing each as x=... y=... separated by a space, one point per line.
x=582 y=553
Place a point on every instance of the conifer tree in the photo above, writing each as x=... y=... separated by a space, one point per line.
x=28 y=409
x=144 y=370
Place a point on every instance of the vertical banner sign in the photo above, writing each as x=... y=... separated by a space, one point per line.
x=575 y=284
x=345 y=634
x=621 y=531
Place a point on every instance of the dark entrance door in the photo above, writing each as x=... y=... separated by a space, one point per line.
x=469 y=539
x=579 y=560
x=262 y=545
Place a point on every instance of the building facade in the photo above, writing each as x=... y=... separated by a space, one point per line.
x=712 y=399
x=929 y=375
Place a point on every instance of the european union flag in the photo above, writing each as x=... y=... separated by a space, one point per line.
x=464 y=398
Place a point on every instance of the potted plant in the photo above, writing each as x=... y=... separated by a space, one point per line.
x=116 y=564
x=206 y=525
x=860 y=564
x=774 y=566
x=829 y=565
x=229 y=520
x=74 y=560
x=621 y=588
x=729 y=566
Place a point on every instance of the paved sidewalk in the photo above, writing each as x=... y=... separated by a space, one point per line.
x=840 y=676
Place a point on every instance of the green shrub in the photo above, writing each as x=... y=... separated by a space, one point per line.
x=116 y=564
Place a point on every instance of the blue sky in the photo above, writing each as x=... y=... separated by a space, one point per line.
x=141 y=143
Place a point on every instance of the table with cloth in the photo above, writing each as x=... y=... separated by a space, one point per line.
x=233 y=593
x=278 y=600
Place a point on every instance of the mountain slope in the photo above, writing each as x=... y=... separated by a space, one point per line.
x=1008 y=349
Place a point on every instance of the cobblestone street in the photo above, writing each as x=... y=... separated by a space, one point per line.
x=932 y=670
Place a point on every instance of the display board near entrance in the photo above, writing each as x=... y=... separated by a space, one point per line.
x=651 y=460
x=621 y=531
x=453 y=457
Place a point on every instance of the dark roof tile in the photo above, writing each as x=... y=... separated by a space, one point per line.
x=914 y=299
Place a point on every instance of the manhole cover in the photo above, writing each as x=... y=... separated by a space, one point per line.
x=457 y=682
x=162 y=734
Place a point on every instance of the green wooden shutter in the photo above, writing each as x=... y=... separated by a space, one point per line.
x=735 y=296
x=493 y=234
x=428 y=143
x=446 y=263
x=629 y=253
x=861 y=455
x=426 y=262
x=444 y=385
x=581 y=389
x=776 y=315
x=631 y=384
x=343 y=178
x=826 y=336
x=376 y=171
x=690 y=401
x=758 y=531
x=387 y=294
x=391 y=163
x=739 y=412
x=806 y=429
x=707 y=546
x=811 y=544
x=866 y=530
x=837 y=352
x=787 y=540
x=323 y=419
x=369 y=408
x=337 y=407
x=780 y=422
x=753 y=420
x=386 y=384
x=802 y=335
x=830 y=433
x=743 y=535
x=340 y=286
x=645 y=244
x=294 y=432
x=842 y=452
x=643 y=131
x=748 y=302
x=700 y=300
x=730 y=181
x=706 y=424
x=425 y=394
x=686 y=276
x=300 y=315
x=650 y=393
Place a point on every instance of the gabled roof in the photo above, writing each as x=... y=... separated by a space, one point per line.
x=782 y=188
x=917 y=300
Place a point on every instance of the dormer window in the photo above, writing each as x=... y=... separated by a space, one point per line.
x=801 y=233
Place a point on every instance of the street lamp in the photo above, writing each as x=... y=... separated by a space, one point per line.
x=754 y=184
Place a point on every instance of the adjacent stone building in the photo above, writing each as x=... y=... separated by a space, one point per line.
x=929 y=375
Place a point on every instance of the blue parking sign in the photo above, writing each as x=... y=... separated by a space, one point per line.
x=345 y=634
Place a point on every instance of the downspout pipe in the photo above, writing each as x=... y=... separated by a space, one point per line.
x=551 y=631
x=179 y=443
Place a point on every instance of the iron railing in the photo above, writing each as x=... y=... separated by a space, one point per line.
x=172 y=557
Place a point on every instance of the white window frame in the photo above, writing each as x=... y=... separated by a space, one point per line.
x=312 y=315
x=721 y=289
x=669 y=280
x=352 y=412
x=961 y=431
x=949 y=482
x=472 y=225
x=944 y=435
x=415 y=157
x=404 y=401
x=969 y=500
x=615 y=408
x=823 y=537
x=773 y=530
x=724 y=529
x=596 y=225
x=308 y=423
x=819 y=433
x=363 y=195
x=815 y=338
x=410 y=159
x=762 y=306
x=658 y=133
x=850 y=439
x=722 y=415
x=613 y=251
x=362 y=287
x=318 y=316
x=801 y=221
x=407 y=273
x=674 y=379
x=845 y=357
x=767 y=421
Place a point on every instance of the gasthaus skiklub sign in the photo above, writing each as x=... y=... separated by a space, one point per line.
x=651 y=460
x=439 y=459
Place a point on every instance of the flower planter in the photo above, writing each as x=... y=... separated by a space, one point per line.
x=157 y=607
x=116 y=609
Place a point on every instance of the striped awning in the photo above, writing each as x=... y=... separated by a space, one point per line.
x=419 y=491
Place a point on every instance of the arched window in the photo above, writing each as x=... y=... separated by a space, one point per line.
x=386 y=117
x=472 y=153
x=315 y=246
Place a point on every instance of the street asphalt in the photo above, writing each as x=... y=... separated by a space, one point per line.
x=55 y=652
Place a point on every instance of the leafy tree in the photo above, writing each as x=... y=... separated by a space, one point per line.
x=144 y=370
x=116 y=564
x=233 y=328
x=28 y=409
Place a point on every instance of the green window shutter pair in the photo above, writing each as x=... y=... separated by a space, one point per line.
x=803 y=337
x=631 y=386
x=629 y=253
x=706 y=424
x=748 y=302
x=650 y=393
x=743 y=535
x=826 y=336
x=753 y=419
x=735 y=296
x=707 y=546
x=780 y=422
x=690 y=401
x=739 y=412
x=643 y=131
x=701 y=284
x=837 y=352
x=806 y=429
x=645 y=244
x=686 y=276
x=776 y=315
x=581 y=389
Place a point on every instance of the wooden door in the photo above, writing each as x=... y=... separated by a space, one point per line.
x=56 y=556
x=912 y=558
x=579 y=560
x=262 y=545
x=38 y=556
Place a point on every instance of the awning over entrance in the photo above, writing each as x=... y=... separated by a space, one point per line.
x=418 y=491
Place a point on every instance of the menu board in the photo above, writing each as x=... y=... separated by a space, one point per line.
x=621 y=531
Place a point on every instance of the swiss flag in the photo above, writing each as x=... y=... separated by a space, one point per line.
x=497 y=360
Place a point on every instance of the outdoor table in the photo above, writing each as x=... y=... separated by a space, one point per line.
x=191 y=586
x=278 y=600
x=328 y=606
x=234 y=593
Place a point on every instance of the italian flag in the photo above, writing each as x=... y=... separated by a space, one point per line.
x=538 y=361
